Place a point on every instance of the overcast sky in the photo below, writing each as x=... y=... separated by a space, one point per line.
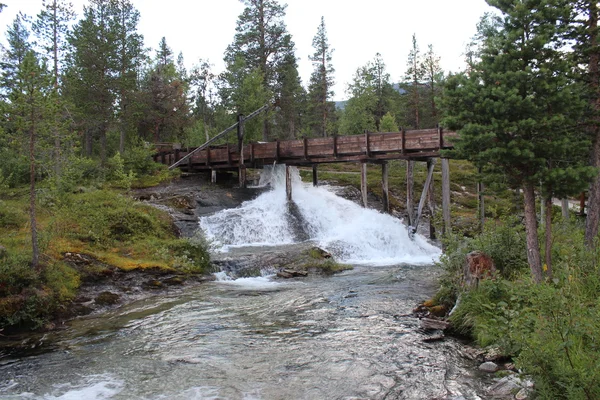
x=357 y=30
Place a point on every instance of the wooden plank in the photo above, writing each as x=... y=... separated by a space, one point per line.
x=305 y=143
x=335 y=139
x=277 y=151
x=315 y=176
x=385 y=187
x=446 y=194
x=363 y=183
x=441 y=137
x=367 y=150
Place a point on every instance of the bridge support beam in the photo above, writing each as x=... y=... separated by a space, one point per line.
x=446 y=194
x=410 y=192
x=430 y=165
x=288 y=183
x=242 y=176
x=363 y=183
x=315 y=175
x=431 y=203
x=385 y=188
x=213 y=176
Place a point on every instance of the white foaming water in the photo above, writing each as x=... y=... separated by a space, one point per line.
x=350 y=232
x=94 y=387
x=256 y=283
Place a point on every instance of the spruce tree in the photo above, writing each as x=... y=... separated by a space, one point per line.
x=414 y=76
x=321 y=83
x=17 y=37
x=516 y=109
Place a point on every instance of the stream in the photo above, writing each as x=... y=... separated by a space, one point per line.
x=346 y=336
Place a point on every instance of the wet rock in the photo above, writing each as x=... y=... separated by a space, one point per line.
x=433 y=324
x=489 y=366
x=505 y=387
x=284 y=275
x=107 y=299
x=435 y=336
x=478 y=266
x=152 y=284
x=174 y=281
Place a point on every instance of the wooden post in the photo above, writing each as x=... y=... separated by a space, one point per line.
x=367 y=144
x=315 y=175
x=446 y=194
x=385 y=187
x=213 y=176
x=242 y=176
x=288 y=183
x=430 y=165
x=176 y=155
x=431 y=203
x=564 y=203
x=481 y=201
x=410 y=191
x=241 y=166
x=363 y=183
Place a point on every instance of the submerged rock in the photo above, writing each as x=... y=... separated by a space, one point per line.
x=107 y=298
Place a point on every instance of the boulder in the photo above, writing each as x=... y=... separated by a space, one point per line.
x=107 y=299
x=478 y=266
x=489 y=366
x=505 y=387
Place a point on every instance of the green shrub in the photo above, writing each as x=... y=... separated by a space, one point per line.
x=9 y=217
x=190 y=255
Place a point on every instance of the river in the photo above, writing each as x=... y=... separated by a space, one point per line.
x=346 y=336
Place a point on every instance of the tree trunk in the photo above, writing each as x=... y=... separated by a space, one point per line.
x=548 y=247
x=35 y=258
x=103 y=144
x=593 y=212
x=531 y=226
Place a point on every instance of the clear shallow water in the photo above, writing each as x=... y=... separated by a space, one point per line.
x=341 y=337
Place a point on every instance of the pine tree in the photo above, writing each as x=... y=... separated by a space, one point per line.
x=414 y=77
x=321 y=83
x=129 y=58
x=433 y=77
x=515 y=109
x=51 y=27
x=165 y=98
x=30 y=103
x=92 y=70
x=17 y=37
x=263 y=42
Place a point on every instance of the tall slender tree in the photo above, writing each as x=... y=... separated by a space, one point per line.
x=516 y=107
x=321 y=82
x=29 y=105
x=129 y=58
x=17 y=37
x=433 y=77
x=414 y=76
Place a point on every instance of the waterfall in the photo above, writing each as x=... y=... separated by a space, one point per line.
x=353 y=234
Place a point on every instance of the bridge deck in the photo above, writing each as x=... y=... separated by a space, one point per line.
x=370 y=147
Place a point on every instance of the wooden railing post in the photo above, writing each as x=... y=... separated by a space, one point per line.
x=241 y=166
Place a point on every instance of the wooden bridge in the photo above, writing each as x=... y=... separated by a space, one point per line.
x=375 y=148
x=411 y=145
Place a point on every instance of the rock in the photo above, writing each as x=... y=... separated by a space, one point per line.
x=510 y=367
x=153 y=284
x=433 y=324
x=107 y=299
x=478 y=266
x=175 y=280
x=284 y=275
x=522 y=394
x=489 y=366
x=436 y=336
x=505 y=387
x=494 y=354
